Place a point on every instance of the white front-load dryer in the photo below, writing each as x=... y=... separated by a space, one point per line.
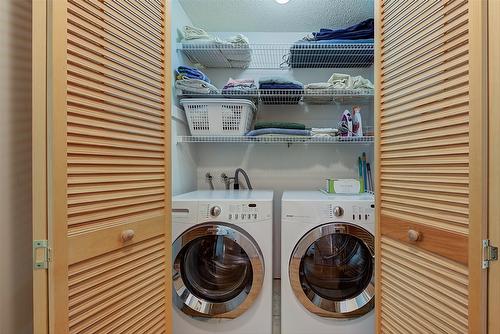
x=328 y=259
x=222 y=262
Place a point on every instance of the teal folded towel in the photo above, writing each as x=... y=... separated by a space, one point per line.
x=279 y=125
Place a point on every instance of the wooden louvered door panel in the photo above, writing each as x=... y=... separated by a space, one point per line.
x=431 y=165
x=109 y=178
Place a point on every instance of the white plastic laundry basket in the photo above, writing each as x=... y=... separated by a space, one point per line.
x=219 y=117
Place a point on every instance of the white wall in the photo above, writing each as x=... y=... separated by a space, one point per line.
x=16 y=310
x=276 y=166
x=184 y=165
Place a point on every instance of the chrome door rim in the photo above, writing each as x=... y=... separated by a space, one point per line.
x=348 y=308
x=197 y=306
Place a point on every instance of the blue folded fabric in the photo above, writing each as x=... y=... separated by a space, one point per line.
x=281 y=86
x=335 y=41
x=362 y=30
x=186 y=72
x=277 y=131
x=279 y=83
x=278 y=80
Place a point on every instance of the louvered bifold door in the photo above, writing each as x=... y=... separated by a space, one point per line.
x=431 y=165
x=108 y=161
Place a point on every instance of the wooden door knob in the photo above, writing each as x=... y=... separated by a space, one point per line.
x=127 y=235
x=413 y=235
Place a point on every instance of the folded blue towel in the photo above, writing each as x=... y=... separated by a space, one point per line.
x=281 y=86
x=335 y=41
x=186 y=72
x=362 y=30
x=279 y=80
x=277 y=131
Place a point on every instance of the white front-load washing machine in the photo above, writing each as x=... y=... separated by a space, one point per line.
x=328 y=259
x=222 y=262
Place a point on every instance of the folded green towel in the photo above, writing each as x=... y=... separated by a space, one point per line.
x=279 y=125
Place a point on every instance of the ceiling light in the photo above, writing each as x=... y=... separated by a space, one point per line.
x=282 y=2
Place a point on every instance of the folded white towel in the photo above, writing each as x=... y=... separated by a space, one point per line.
x=327 y=131
x=359 y=82
x=318 y=85
x=195 y=86
x=191 y=33
x=340 y=81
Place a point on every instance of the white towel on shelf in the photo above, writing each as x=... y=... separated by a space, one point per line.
x=318 y=93
x=318 y=85
x=235 y=50
x=195 y=86
x=340 y=81
x=193 y=33
x=358 y=82
x=324 y=132
x=345 y=81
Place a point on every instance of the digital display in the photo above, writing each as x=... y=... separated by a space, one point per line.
x=252 y=205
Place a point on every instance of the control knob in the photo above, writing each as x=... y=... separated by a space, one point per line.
x=338 y=211
x=215 y=211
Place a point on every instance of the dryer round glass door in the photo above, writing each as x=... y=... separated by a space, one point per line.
x=218 y=271
x=331 y=270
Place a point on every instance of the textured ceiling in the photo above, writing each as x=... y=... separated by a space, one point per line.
x=267 y=15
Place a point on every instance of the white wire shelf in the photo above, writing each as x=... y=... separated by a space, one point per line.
x=275 y=140
x=288 y=96
x=279 y=56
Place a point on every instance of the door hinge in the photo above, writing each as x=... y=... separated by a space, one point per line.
x=490 y=253
x=41 y=254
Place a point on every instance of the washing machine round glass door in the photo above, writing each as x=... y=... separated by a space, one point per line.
x=331 y=270
x=218 y=271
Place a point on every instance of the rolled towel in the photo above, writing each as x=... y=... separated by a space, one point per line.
x=278 y=125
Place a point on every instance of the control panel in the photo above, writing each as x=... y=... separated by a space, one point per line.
x=351 y=211
x=243 y=212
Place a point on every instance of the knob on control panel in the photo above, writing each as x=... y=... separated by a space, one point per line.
x=215 y=211
x=338 y=211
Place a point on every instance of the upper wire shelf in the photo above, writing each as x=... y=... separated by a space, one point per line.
x=275 y=139
x=290 y=96
x=279 y=56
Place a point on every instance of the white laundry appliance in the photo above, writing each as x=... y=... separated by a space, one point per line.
x=222 y=262
x=327 y=268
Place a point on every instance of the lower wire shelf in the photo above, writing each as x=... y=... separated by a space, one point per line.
x=275 y=140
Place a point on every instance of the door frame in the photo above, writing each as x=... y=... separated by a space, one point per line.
x=39 y=160
x=494 y=161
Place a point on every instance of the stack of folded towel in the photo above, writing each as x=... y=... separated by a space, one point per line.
x=332 y=52
x=277 y=128
x=241 y=88
x=322 y=92
x=235 y=50
x=360 y=31
x=191 y=80
x=318 y=93
x=289 y=91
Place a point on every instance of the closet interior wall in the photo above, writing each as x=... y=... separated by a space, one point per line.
x=184 y=162
x=276 y=167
